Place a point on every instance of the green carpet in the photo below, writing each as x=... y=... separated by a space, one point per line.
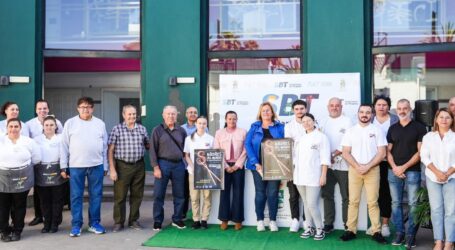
x=249 y=238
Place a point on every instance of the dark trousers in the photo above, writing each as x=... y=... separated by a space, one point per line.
x=19 y=201
x=37 y=203
x=186 y=193
x=232 y=210
x=294 y=203
x=51 y=204
x=328 y=193
x=175 y=172
x=131 y=177
x=385 y=200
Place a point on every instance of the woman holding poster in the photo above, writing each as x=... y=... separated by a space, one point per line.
x=231 y=139
x=198 y=140
x=266 y=127
x=312 y=159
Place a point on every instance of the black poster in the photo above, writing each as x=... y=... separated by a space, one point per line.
x=277 y=159
x=208 y=169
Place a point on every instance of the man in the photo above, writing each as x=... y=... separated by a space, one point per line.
x=166 y=157
x=294 y=129
x=84 y=152
x=35 y=127
x=363 y=149
x=384 y=119
x=405 y=139
x=452 y=105
x=127 y=144
x=335 y=127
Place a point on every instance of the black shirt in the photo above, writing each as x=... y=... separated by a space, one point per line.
x=266 y=135
x=404 y=140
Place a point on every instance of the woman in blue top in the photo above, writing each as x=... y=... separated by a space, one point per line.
x=266 y=127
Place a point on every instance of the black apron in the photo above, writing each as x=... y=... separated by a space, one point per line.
x=48 y=174
x=16 y=180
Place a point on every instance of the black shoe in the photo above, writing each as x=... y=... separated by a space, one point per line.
x=5 y=237
x=348 y=235
x=36 y=221
x=53 y=230
x=196 y=225
x=398 y=240
x=117 y=228
x=135 y=225
x=178 y=224
x=378 y=238
x=204 y=224
x=157 y=226
x=328 y=229
x=15 y=236
x=45 y=230
x=410 y=241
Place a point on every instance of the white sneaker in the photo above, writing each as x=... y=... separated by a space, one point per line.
x=295 y=225
x=273 y=227
x=369 y=231
x=260 y=226
x=385 y=230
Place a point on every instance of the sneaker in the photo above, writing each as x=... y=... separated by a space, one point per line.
x=295 y=225
x=196 y=225
x=204 y=224
x=398 y=240
x=385 y=230
x=309 y=232
x=273 y=227
x=369 y=231
x=379 y=238
x=156 y=226
x=178 y=224
x=260 y=226
x=328 y=229
x=75 y=232
x=320 y=235
x=97 y=229
x=348 y=235
x=410 y=241
x=135 y=225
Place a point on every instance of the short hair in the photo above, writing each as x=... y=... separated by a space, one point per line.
x=299 y=102
x=5 y=106
x=86 y=99
x=128 y=106
x=435 y=124
x=335 y=99
x=41 y=100
x=365 y=105
x=14 y=120
x=51 y=118
x=186 y=110
x=259 y=116
x=404 y=100
x=169 y=107
x=382 y=97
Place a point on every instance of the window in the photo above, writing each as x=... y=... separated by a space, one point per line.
x=93 y=25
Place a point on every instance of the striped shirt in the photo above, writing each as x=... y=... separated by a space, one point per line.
x=129 y=143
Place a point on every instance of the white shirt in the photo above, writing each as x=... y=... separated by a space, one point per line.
x=294 y=130
x=84 y=143
x=335 y=128
x=312 y=152
x=364 y=142
x=383 y=126
x=21 y=153
x=35 y=127
x=50 y=148
x=439 y=152
x=198 y=142
x=24 y=128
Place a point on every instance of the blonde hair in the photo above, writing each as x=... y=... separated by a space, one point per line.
x=435 y=124
x=259 y=116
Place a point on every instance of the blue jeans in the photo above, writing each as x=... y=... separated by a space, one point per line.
x=412 y=182
x=232 y=210
x=442 y=205
x=176 y=173
x=266 y=191
x=95 y=177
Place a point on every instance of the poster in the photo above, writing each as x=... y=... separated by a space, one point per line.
x=277 y=159
x=208 y=169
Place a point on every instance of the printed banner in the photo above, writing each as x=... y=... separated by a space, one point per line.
x=277 y=159
x=208 y=169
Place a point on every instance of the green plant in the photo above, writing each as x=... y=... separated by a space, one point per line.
x=422 y=214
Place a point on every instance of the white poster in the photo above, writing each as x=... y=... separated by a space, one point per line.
x=244 y=93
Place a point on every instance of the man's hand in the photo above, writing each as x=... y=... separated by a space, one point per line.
x=398 y=171
x=64 y=175
x=322 y=180
x=157 y=172
x=113 y=175
x=363 y=169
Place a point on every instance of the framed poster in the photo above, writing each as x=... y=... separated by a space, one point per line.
x=277 y=159
x=208 y=169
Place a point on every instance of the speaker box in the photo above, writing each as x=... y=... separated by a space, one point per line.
x=425 y=111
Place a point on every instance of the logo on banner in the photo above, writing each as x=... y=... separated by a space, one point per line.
x=285 y=108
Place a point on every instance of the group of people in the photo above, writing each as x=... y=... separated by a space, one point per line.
x=381 y=152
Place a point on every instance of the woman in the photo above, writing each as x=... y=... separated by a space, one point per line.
x=17 y=155
x=11 y=110
x=49 y=182
x=198 y=140
x=231 y=139
x=438 y=155
x=312 y=160
x=266 y=127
